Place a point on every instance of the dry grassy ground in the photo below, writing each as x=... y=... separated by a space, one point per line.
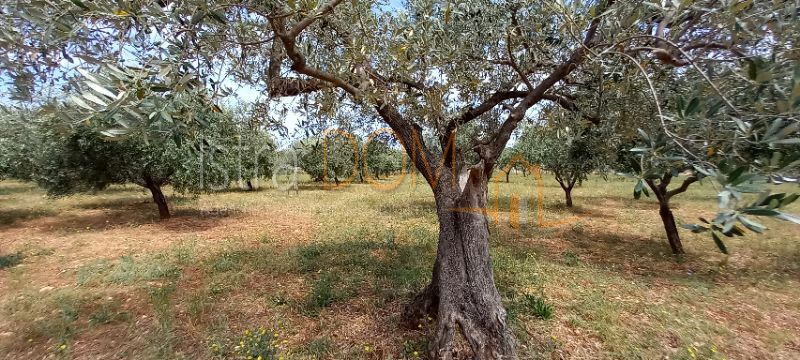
x=97 y=277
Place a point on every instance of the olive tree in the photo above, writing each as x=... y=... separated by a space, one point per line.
x=329 y=157
x=347 y=156
x=568 y=147
x=380 y=158
x=738 y=132
x=428 y=69
x=255 y=149
x=77 y=159
x=65 y=155
x=740 y=156
x=18 y=144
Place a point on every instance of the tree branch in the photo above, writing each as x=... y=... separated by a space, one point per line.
x=566 y=103
x=407 y=132
x=410 y=136
x=684 y=186
x=660 y=195
x=484 y=107
x=407 y=82
x=299 y=65
x=665 y=180
x=282 y=86
x=714 y=45
x=513 y=63
x=308 y=20
x=537 y=94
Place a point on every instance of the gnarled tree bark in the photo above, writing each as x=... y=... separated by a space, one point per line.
x=568 y=196
x=462 y=294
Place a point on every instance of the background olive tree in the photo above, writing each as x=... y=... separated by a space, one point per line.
x=18 y=144
x=568 y=147
x=739 y=132
x=331 y=157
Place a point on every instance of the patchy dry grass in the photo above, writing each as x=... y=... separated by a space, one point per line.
x=327 y=272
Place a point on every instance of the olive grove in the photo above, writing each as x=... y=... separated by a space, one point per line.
x=434 y=71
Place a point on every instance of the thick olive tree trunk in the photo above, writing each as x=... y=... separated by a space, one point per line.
x=462 y=294
x=158 y=198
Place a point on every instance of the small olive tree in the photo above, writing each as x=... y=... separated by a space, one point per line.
x=380 y=158
x=255 y=149
x=85 y=156
x=329 y=157
x=568 y=147
x=75 y=158
x=739 y=133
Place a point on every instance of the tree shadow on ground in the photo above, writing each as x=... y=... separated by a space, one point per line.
x=9 y=260
x=132 y=202
x=409 y=209
x=334 y=271
x=644 y=255
x=10 y=215
x=554 y=211
x=638 y=256
x=12 y=188
x=644 y=203
x=648 y=202
x=121 y=189
x=133 y=215
x=334 y=283
x=236 y=189
x=11 y=218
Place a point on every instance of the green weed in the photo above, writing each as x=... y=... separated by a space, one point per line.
x=108 y=313
x=319 y=348
x=7 y=261
x=536 y=305
x=258 y=344
x=161 y=300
